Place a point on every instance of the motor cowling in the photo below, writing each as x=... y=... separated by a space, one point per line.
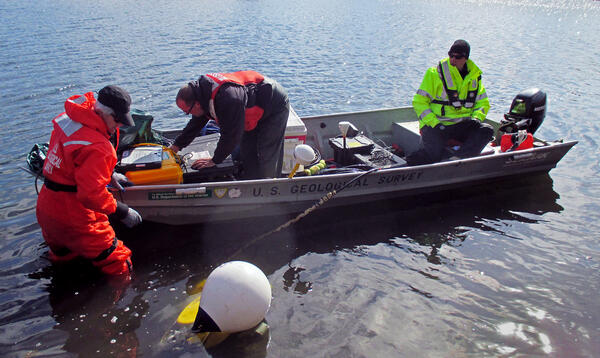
x=527 y=112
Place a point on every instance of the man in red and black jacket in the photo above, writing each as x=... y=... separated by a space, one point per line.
x=74 y=203
x=251 y=111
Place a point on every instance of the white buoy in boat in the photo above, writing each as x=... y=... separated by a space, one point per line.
x=303 y=155
x=236 y=297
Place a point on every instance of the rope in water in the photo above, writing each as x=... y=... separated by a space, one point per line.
x=325 y=198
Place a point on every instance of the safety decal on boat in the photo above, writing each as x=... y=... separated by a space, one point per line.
x=173 y=195
x=220 y=192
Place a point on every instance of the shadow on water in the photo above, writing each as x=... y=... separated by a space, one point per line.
x=98 y=316
x=429 y=220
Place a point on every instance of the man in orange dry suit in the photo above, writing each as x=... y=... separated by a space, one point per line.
x=451 y=104
x=252 y=112
x=74 y=204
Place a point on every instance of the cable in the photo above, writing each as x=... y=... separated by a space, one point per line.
x=182 y=159
x=325 y=198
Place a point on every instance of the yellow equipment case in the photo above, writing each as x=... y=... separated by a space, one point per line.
x=149 y=163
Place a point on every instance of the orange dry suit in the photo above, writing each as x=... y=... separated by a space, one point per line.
x=74 y=204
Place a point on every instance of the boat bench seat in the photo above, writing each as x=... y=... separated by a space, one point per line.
x=406 y=135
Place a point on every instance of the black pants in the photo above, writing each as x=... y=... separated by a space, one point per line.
x=261 y=149
x=473 y=134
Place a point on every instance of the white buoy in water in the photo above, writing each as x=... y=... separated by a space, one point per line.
x=236 y=297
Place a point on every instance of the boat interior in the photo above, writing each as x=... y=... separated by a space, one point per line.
x=342 y=143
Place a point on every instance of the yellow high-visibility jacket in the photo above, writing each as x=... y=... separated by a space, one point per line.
x=434 y=105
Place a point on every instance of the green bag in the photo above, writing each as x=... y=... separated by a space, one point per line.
x=141 y=132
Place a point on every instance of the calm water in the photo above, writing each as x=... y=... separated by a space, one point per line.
x=507 y=269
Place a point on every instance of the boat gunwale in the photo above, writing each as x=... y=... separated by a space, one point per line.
x=550 y=146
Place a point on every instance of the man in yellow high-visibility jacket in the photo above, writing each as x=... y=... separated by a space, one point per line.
x=451 y=104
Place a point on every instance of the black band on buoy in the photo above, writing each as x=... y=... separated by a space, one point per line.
x=203 y=323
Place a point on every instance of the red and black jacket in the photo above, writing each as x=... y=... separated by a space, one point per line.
x=236 y=101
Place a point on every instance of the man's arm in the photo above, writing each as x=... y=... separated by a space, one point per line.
x=231 y=106
x=422 y=100
x=94 y=165
x=190 y=131
x=482 y=104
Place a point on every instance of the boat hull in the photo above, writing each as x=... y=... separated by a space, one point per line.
x=223 y=201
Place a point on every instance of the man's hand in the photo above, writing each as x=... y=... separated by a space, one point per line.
x=203 y=163
x=132 y=219
x=119 y=180
x=174 y=148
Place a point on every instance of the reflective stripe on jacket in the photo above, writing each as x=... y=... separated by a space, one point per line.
x=455 y=109
x=243 y=78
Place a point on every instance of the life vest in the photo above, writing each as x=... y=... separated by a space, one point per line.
x=243 y=78
x=451 y=89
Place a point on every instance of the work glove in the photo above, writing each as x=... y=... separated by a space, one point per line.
x=118 y=180
x=132 y=219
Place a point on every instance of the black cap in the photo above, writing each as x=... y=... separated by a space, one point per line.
x=460 y=47
x=119 y=101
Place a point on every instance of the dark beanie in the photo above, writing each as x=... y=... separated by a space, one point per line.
x=461 y=47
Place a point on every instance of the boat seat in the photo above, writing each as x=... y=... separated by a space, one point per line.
x=406 y=135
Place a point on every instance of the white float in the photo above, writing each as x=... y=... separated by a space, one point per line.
x=236 y=297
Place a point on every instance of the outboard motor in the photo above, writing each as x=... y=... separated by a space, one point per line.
x=527 y=112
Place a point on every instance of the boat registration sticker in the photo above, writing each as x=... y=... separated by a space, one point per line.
x=172 y=195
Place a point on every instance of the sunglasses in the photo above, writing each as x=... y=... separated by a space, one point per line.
x=187 y=113
x=456 y=56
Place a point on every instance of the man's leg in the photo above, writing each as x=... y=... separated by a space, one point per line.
x=271 y=134
x=475 y=135
x=72 y=231
x=262 y=148
x=249 y=155
x=99 y=245
x=432 y=147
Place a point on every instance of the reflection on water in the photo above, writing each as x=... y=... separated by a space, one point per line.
x=431 y=220
x=525 y=333
x=251 y=343
x=368 y=271
x=292 y=281
x=95 y=313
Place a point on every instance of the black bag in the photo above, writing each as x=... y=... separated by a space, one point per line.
x=36 y=157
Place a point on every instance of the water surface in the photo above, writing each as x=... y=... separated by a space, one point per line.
x=504 y=269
